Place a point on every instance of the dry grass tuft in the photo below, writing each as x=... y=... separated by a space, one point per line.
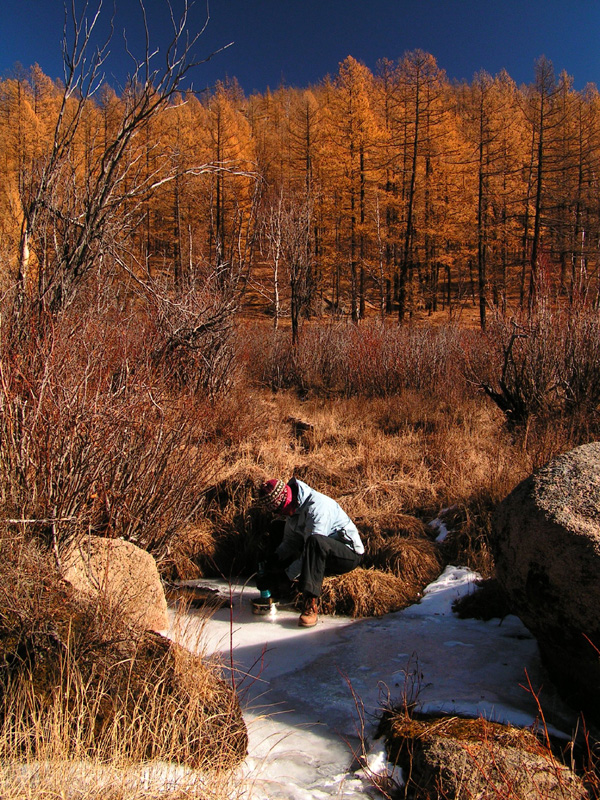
x=365 y=593
x=416 y=561
x=378 y=531
x=402 y=727
x=316 y=473
x=468 y=541
x=190 y=547
x=78 y=682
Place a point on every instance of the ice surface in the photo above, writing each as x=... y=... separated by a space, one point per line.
x=312 y=697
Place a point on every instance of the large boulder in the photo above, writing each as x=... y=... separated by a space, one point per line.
x=118 y=574
x=546 y=545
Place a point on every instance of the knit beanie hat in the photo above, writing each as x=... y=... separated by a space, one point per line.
x=275 y=494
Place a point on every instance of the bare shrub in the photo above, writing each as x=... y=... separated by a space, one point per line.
x=580 y=362
x=195 y=342
x=383 y=361
x=91 y=440
x=74 y=218
x=270 y=359
x=367 y=361
x=543 y=368
x=527 y=357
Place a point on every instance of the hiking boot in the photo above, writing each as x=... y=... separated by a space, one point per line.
x=262 y=605
x=308 y=618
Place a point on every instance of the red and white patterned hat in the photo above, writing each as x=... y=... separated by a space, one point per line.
x=275 y=494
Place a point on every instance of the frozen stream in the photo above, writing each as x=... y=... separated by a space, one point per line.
x=304 y=690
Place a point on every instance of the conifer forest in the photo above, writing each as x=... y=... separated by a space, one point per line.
x=371 y=193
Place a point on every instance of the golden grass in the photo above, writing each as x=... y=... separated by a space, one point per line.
x=365 y=593
x=83 y=693
x=157 y=703
x=74 y=743
x=417 y=562
x=391 y=463
x=49 y=778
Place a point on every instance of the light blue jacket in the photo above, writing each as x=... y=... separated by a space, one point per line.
x=316 y=515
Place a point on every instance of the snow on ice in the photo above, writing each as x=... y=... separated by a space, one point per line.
x=312 y=697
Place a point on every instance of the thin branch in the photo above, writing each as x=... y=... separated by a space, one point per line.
x=43 y=521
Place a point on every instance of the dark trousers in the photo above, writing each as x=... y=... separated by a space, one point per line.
x=323 y=556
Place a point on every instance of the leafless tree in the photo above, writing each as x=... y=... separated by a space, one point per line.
x=273 y=234
x=297 y=256
x=72 y=220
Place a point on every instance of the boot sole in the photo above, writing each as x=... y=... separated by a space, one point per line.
x=308 y=623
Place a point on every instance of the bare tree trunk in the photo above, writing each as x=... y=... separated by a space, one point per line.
x=72 y=225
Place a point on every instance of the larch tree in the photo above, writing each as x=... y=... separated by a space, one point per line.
x=585 y=262
x=542 y=112
x=28 y=109
x=420 y=82
x=485 y=130
x=305 y=149
x=353 y=131
x=391 y=168
x=232 y=197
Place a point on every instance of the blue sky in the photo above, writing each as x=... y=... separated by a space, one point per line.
x=298 y=42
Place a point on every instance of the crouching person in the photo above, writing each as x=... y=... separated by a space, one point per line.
x=319 y=539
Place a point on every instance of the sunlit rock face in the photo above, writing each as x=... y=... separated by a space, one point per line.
x=546 y=544
x=119 y=574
